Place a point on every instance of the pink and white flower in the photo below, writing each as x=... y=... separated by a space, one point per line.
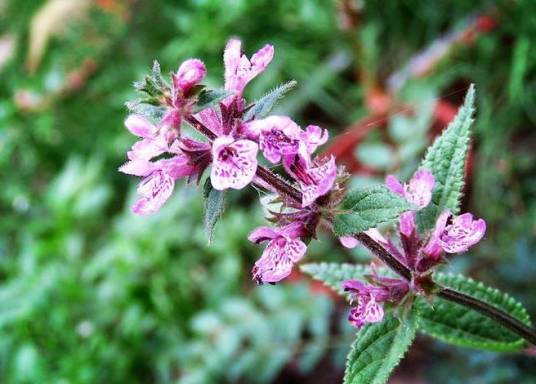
x=239 y=70
x=315 y=179
x=417 y=191
x=284 y=249
x=234 y=162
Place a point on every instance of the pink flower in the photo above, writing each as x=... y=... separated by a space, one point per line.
x=234 y=163
x=315 y=179
x=158 y=185
x=313 y=137
x=279 y=136
x=239 y=70
x=463 y=233
x=367 y=310
x=418 y=191
x=369 y=297
x=284 y=249
x=190 y=73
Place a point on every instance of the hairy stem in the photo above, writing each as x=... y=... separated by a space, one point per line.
x=288 y=190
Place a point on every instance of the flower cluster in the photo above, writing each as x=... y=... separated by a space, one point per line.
x=418 y=252
x=235 y=138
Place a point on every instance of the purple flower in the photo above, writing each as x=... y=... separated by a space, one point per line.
x=284 y=249
x=367 y=310
x=234 y=162
x=417 y=191
x=279 y=137
x=190 y=73
x=463 y=233
x=369 y=297
x=315 y=179
x=157 y=186
x=239 y=70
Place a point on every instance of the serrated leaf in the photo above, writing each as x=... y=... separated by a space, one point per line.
x=214 y=207
x=264 y=105
x=157 y=75
x=446 y=158
x=456 y=324
x=334 y=274
x=367 y=208
x=151 y=111
x=210 y=97
x=377 y=350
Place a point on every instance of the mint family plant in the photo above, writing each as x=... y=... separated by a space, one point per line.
x=391 y=300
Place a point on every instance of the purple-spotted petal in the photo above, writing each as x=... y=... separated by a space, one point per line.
x=433 y=248
x=419 y=189
x=278 y=136
x=154 y=190
x=463 y=233
x=140 y=126
x=234 y=163
x=314 y=136
x=319 y=182
x=278 y=258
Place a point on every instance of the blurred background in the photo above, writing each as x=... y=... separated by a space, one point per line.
x=90 y=293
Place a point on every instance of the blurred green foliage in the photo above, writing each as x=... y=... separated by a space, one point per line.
x=90 y=293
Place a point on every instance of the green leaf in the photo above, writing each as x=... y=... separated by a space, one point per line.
x=157 y=75
x=368 y=207
x=446 y=157
x=462 y=326
x=377 y=350
x=151 y=111
x=264 y=105
x=214 y=207
x=210 y=97
x=334 y=274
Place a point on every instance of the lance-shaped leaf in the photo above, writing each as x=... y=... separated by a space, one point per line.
x=214 y=207
x=264 y=105
x=150 y=111
x=366 y=208
x=378 y=349
x=209 y=97
x=446 y=160
x=462 y=326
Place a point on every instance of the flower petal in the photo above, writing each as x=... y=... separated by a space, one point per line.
x=394 y=185
x=234 y=164
x=190 y=73
x=348 y=241
x=463 y=233
x=155 y=190
x=140 y=126
x=138 y=167
x=419 y=189
x=278 y=259
x=262 y=234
